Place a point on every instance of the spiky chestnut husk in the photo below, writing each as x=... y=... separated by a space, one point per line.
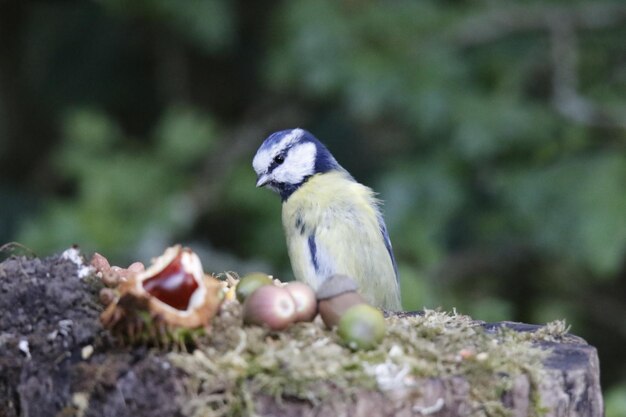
x=362 y=327
x=144 y=329
x=172 y=293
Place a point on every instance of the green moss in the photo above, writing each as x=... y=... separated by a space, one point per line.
x=233 y=364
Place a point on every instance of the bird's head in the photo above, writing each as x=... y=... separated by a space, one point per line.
x=287 y=158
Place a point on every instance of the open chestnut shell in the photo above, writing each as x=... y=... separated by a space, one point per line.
x=173 y=290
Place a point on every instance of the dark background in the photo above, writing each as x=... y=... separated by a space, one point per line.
x=494 y=131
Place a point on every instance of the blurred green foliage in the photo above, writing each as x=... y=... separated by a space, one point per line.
x=495 y=133
x=121 y=189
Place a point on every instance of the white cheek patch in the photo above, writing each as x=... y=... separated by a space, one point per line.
x=299 y=164
x=263 y=159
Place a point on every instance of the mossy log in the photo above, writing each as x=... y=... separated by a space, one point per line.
x=570 y=388
x=56 y=360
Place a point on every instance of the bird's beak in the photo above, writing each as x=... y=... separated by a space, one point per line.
x=262 y=180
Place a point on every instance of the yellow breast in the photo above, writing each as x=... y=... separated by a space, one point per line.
x=337 y=218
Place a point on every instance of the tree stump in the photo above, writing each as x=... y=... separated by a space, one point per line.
x=572 y=385
x=56 y=360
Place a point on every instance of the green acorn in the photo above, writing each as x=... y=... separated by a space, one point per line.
x=362 y=327
x=249 y=283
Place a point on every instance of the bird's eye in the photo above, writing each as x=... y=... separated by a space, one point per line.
x=279 y=159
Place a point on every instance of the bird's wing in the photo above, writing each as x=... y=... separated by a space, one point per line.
x=383 y=230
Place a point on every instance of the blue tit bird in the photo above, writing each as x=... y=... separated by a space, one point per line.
x=333 y=224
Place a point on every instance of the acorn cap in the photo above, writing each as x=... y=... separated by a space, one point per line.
x=335 y=285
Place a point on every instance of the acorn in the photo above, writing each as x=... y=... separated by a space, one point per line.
x=304 y=296
x=335 y=296
x=249 y=283
x=270 y=306
x=362 y=327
